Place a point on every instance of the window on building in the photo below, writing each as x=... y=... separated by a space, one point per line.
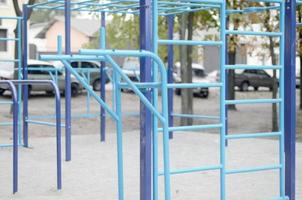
x=3 y=44
x=3 y=1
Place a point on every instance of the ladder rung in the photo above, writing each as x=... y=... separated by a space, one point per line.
x=3 y=61
x=280 y=198
x=191 y=170
x=6 y=123
x=252 y=67
x=190 y=42
x=193 y=85
x=5 y=102
x=9 y=39
x=255 y=169
x=192 y=128
x=42 y=123
x=252 y=135
x=252 y=101
x=254 y=33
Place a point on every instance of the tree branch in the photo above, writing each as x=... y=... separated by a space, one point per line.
x=17 y=8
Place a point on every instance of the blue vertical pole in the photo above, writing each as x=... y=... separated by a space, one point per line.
x=222 y=100
x=67 y=82
x=102 y=76
x=19 y=21
x=290 y=98
x=170 y=19
x=145 y=114
x=24 y=73
x=155 y=98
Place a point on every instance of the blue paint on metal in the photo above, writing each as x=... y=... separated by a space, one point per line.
x=290 y=98
x=67 y=12
x=102 y=75
x=145 y=115
x=24 y=75
x=170 y=20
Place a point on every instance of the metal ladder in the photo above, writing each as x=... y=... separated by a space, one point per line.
x=13 y=61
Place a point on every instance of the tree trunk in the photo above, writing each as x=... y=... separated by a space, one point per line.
x=186 y=104
x=231 y=79
x=300 y=82
x=275 y=126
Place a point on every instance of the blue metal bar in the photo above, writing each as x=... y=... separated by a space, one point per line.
x=154 y=36
x=240 y=66
x=189 y=42
x=170 y=20
x=252 y=135
x=146 y=36
x=255 y=169
x=194 y=85
x=67 y=14
x=253 y=101
x=25 y=74
x=254 y=33
x=281 y=105
x=118 y=110
x=15 y=132
x=6 y=102
x=58 y=121
x=192 y=128
x=290 y=98
x=195 y=116
x=102 y=74
x=223 y=107
x=194 y=169
x=42 y=123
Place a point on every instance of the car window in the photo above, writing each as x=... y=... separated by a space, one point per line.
x=88 y=65
x=38 y=69
x=199 y=73
x=75 y=64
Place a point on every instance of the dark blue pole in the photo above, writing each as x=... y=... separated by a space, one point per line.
x=67 y=82
x=170 y=19
x=24 y=75
x=103 y=81
x=290 y=98
x=145 y=114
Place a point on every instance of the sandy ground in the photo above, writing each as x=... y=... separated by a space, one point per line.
x=92 y=173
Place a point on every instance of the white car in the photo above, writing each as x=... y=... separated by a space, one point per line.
x=198 y=76
x=40 y=70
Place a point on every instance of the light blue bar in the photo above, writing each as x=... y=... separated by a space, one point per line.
x=193 y=85
x=254 y=169
x=6 y=123
x=252 y=135
x=190 y=42
x=253 y=101
x=9 y=39
x=16 y=60
x=194 y=169
x=192 y=128
x=222 y=100
x=255 y=33
x=196 y=116
x=42 y=123
x=277 y=67
x=282 y=106
x=6 y=102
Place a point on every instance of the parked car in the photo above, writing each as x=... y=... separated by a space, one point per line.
x=254 y=78
x=198 y=76
x=36 y=72
x=93 y=69
x=131 y=69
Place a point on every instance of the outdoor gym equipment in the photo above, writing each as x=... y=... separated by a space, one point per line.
x=151 y=66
